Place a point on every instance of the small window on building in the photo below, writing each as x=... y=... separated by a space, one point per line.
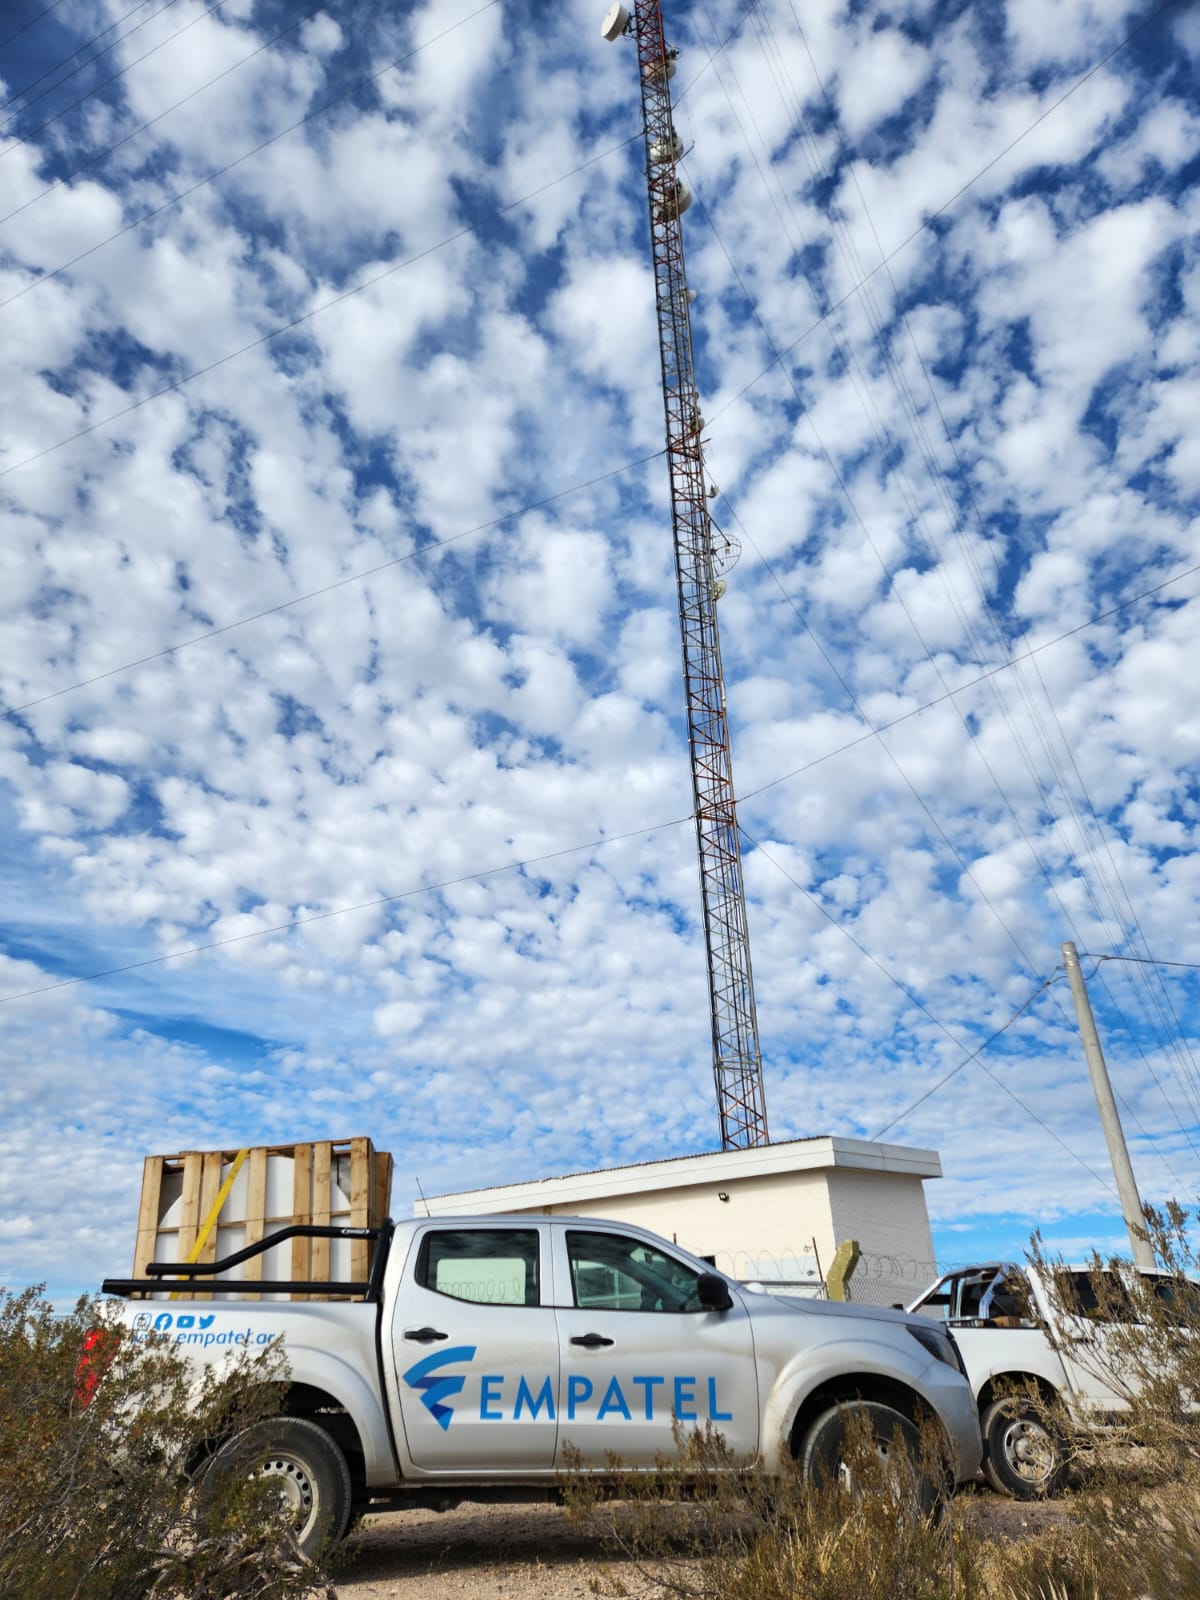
x=489 y=1266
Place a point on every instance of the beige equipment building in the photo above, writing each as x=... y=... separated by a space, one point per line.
x=772 y=1215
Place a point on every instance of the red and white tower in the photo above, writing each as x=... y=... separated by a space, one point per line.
x=737 y=1060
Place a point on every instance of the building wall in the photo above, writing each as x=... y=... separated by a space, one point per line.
x=776 y=1225
x=886 y=1213
x=789 y=1206
x=772 y=1215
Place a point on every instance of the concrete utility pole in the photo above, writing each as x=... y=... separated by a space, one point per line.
x=1131 y=1205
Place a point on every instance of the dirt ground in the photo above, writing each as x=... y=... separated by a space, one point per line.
x=531 y=1552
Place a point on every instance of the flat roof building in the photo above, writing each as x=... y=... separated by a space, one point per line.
x=774 y=1214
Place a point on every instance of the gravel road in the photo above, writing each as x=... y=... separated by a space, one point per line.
x=479 y=1552
x=531 y=1552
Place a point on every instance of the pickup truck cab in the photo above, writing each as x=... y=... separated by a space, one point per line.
x=482 y=1352
x=1026 y=1359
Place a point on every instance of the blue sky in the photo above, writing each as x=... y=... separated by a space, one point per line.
x=337 y=573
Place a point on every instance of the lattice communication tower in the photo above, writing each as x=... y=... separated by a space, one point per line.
x=737 y=1059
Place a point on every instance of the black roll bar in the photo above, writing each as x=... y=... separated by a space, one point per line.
x=163 y=1274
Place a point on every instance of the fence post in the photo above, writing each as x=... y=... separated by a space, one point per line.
x=841 y=1269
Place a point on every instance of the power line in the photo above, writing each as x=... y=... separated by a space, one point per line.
x=883 y=745
x=19 y=94
x=846 y=353
x=858 y=945
x=53 y=6
x=1143 y=961
x=326 y=105
x=1182 y=1066
x=95 y=160
x=355 y=577
x=970 y=683
x=943 y=208
x=500 y=211
x=342 y=911
x=966 y=1061
x=850 y=361
x=724 y=45
x=845 y=241
x=338 y=583
x=314 y=311
x=922 y=1007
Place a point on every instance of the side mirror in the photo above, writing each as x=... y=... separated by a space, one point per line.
x=713 y=1292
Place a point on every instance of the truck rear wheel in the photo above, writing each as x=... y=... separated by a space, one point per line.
x=1024 y=1455
x=826 y=1453
x=303 y=1462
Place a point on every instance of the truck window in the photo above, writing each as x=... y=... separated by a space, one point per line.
x=490 y=1266
x=613 y=1272
x=1081 y=1297
x=971 y=1289
x=935 y=1304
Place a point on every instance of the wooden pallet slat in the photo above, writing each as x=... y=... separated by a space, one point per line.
x=361 y=1194
x=322 y=1216
x=148 y=1213
x=382 y=1188
x=301 y=1211
x=189 y=1216
x=211 y=1163
x=214 y=1207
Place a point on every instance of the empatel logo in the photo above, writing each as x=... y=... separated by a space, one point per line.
x=437 y=1388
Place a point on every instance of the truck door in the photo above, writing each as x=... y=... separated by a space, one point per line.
x=637 y=1350
x=1092 y=1365
x=475 y=1346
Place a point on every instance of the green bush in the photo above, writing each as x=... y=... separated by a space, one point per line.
x=98 y=1485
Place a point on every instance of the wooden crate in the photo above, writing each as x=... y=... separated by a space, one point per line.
x=201 y=1205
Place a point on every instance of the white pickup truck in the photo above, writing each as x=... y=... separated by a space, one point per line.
x=480 y=1351
x=999 y=1314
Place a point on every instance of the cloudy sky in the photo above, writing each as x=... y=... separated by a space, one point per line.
x=343 y=773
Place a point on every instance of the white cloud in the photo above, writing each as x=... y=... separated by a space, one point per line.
x=399 y=742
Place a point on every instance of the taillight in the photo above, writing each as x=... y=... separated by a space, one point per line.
x=95 y=1357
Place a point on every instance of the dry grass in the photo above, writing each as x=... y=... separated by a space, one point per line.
x=1130 y=1532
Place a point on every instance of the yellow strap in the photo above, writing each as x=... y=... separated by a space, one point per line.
x=210 y=1220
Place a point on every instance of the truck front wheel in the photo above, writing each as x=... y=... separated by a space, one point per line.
x=1024 y=1455
x=827 y=1450
x=299 y=1459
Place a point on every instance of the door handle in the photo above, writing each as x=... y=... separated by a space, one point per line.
x=591 y=1341
x=425 y=1335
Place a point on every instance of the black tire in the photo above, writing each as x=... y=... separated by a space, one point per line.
x=312 y=1472
x=821 y=1454
x=1023 y=1455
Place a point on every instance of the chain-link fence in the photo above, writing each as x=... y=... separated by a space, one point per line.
x=889 y=1280
x=878 y=1279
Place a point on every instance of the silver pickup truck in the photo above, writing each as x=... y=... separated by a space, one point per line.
x=481 y=1351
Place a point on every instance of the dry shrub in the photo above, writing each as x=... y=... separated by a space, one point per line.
x=702 y=1527
x=1127 y=1539
x=1136 y=1334
x=95 y=1502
